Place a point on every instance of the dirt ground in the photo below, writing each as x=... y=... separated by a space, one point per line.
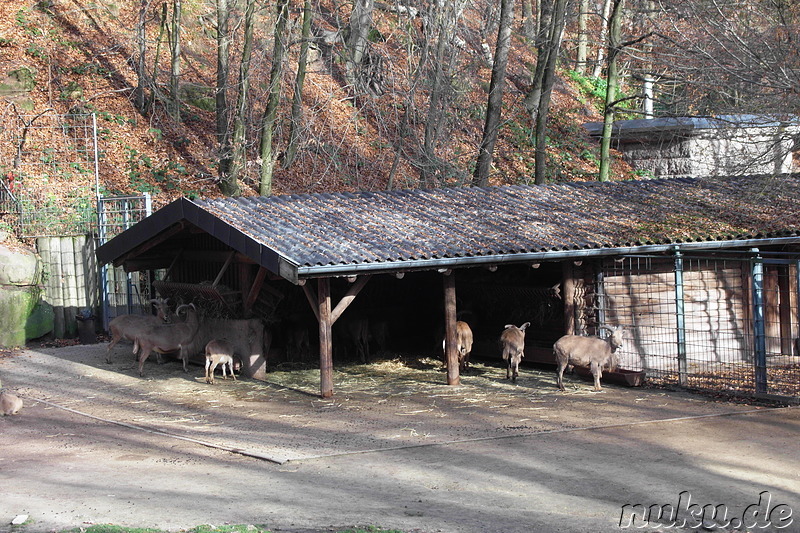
x=395 y=447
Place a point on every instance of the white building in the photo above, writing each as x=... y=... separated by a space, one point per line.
x=677 y=147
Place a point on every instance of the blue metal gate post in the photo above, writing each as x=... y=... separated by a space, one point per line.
x=680 y=319
x=760 y=340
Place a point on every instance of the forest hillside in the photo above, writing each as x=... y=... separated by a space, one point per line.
x=82 y=56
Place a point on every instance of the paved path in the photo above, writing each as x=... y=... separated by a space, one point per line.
x=65 y=469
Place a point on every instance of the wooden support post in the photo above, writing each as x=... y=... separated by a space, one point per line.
x=325 y=338
x=680 y=321
x=785 y=310
x=450 y=348
x=569 y=283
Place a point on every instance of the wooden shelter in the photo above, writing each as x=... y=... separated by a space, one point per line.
x=244 y=254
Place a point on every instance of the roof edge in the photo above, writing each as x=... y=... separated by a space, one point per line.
x=320 y=271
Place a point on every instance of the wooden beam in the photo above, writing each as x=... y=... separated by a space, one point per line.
x=450 y=348
x=152 y=261
x=172 y=265
x=325 y=338
x=784 y=310
x=348 y=298
x=255 y=289
x=225 y=266
x=311 y=296
x=147 y=245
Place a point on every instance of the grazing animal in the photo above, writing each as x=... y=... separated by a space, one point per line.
x=166 y=338
x=128 y=327
x=356 y=330
x=463 y=345
x=10 y=404
x=218 y=352
x=513 y=341
x=592 y=352
x=379 y=335
x=298 y=343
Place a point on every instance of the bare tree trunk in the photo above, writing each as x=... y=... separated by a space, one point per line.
x=231 y=185
x=271 y=112
x=297 y=97
x=162 y=31
x=612 y=75
x=528 y=20
x=221 y=100
x=447 y=15
x=531 y=102
x=357 y=41
x=496 y=88
x=175 y=50
x=601 y=50
x=583 y=38
x=540 y=94
x=143 y=82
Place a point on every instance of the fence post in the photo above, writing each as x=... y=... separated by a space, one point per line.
x=680 y=319
x=760 y=341
x=601 y=297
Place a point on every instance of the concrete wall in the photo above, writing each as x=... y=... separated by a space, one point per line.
x=70 y=280
x=711 y=152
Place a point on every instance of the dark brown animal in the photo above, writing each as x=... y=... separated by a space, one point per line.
x=356 y=332
x=167 y=338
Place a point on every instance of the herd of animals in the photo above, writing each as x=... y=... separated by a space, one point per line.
x=594 y=353
x=166 y=332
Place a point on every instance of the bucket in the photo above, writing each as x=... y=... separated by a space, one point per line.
x=86 y=331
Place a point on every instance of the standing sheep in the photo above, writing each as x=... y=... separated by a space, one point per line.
x=513 y=341
x=592 y=352
x=128 y=327
x=218 y=352
x=168 y=338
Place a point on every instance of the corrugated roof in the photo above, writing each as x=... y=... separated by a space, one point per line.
x=326 y=234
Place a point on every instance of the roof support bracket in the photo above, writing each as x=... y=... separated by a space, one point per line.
x=348 y=298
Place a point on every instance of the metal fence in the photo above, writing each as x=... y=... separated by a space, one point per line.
x=50 y=187
x=123 y=292
x=724 y=323
x=49 y=169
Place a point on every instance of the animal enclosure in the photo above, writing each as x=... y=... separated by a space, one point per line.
x=726 y=322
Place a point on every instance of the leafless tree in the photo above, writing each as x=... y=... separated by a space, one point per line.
x=496 y=88
x=269 y=119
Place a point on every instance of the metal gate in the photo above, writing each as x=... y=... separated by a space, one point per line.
x=727 y=323
x=122 y=292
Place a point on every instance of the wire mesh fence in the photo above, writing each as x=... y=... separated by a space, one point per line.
x=49 y=187
x=725 y=324
x=50 y=174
